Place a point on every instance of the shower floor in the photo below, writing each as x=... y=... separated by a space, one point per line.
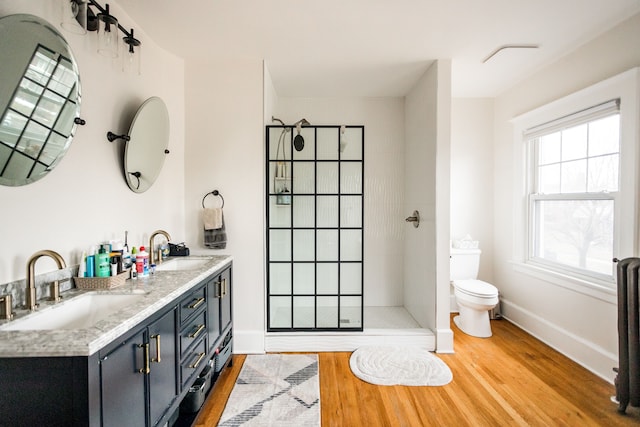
x=382 y=326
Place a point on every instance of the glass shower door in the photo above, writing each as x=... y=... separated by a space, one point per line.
x=315 y=229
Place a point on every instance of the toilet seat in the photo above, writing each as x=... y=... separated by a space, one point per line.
x=476 y=288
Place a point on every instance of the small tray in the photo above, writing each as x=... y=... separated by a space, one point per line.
x=101 y=282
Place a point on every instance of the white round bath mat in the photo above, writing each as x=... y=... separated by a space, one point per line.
x=399 y=366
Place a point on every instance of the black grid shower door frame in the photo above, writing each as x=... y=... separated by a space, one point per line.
x=270 y=192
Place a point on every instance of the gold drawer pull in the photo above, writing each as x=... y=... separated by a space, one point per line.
x=224 y=287
x=197 y=362
x=196 y=303
x=197 y=331
x=157 y=359
x=146 y=368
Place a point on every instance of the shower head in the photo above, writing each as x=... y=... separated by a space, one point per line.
x=298 y=141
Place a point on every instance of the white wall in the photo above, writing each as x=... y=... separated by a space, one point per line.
x=383 y=119
x=426 y=253
x=85 y=200
x=225 y=151
x=472 y=176
x=580 y=326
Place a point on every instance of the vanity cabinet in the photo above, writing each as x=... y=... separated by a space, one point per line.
x=139 y=379
x=140 y=373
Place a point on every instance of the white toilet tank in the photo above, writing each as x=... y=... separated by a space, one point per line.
x=464 y=263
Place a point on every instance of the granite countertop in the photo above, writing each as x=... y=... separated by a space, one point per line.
x=159 y=290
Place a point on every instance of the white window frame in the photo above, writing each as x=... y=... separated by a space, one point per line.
x=624 y=87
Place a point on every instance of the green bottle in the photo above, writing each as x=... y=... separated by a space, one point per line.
x=103 y=269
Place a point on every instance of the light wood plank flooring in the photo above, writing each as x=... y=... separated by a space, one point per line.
x=510 y=379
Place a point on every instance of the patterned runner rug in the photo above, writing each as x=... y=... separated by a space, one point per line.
x=399 y=366
x=275 y=390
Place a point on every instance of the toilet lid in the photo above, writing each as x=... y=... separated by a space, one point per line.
x=476 y=288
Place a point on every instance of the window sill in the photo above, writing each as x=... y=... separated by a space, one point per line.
x=585 y=287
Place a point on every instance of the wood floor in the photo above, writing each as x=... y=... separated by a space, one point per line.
x=510 y=379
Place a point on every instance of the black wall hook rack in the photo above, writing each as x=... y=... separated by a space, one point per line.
x=214 y=193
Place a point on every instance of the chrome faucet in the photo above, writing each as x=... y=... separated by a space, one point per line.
x=30 y=299
x=152 y=248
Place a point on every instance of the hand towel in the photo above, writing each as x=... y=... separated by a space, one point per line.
x=216 y=239
x=212 y=219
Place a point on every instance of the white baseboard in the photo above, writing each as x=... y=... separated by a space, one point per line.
x=444 y=341
x=585 y=353
x=248 y=342
x=345 y=341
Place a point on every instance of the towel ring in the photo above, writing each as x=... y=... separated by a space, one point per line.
x=215 y=193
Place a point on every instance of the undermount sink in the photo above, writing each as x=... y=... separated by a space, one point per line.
x=180 y=264
x=79 y=312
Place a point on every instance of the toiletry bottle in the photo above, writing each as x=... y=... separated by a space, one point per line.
x=115 y=257
x=103 y=268
x=142 y=262
x=126 y=258
x=164 y=247
x=91 y=266
x=82 y=267
x=113 y=264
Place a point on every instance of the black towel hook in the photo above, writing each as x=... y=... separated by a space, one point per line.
x=215 y=193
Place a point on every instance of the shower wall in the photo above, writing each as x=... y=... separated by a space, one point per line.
x=383 y=119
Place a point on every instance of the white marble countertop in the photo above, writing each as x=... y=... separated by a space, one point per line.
x=159 y=290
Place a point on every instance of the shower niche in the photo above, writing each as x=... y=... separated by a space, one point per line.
x=314 y=228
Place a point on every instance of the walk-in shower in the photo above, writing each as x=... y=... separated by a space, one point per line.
x=314 y=228
x=317 y=276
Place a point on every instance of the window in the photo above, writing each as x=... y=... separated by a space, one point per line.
x=576 y=186
x=575 y=163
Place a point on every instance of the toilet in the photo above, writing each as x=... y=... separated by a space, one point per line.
x=474 y=297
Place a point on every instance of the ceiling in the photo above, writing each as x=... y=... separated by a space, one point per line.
x=378 y=47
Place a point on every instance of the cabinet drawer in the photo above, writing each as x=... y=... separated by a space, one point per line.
x=191 y=304
x=195 y=330
x=193 y=363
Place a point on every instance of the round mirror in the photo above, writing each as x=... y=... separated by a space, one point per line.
x=147 y=145
x=39 y=98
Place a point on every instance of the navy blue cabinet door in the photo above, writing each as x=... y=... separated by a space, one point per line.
x=162 y=372
x=225 y=301
x=213 y=310
x=122 y=384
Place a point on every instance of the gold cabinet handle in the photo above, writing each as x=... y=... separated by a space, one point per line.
x=224 y=287
x=157 y=359
x=219 y=289
x=197 y=331
x=196 y=303
x=197 y=362
x=146 y=368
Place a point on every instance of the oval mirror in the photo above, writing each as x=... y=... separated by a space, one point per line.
x=147 y=145
x=39 y=98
